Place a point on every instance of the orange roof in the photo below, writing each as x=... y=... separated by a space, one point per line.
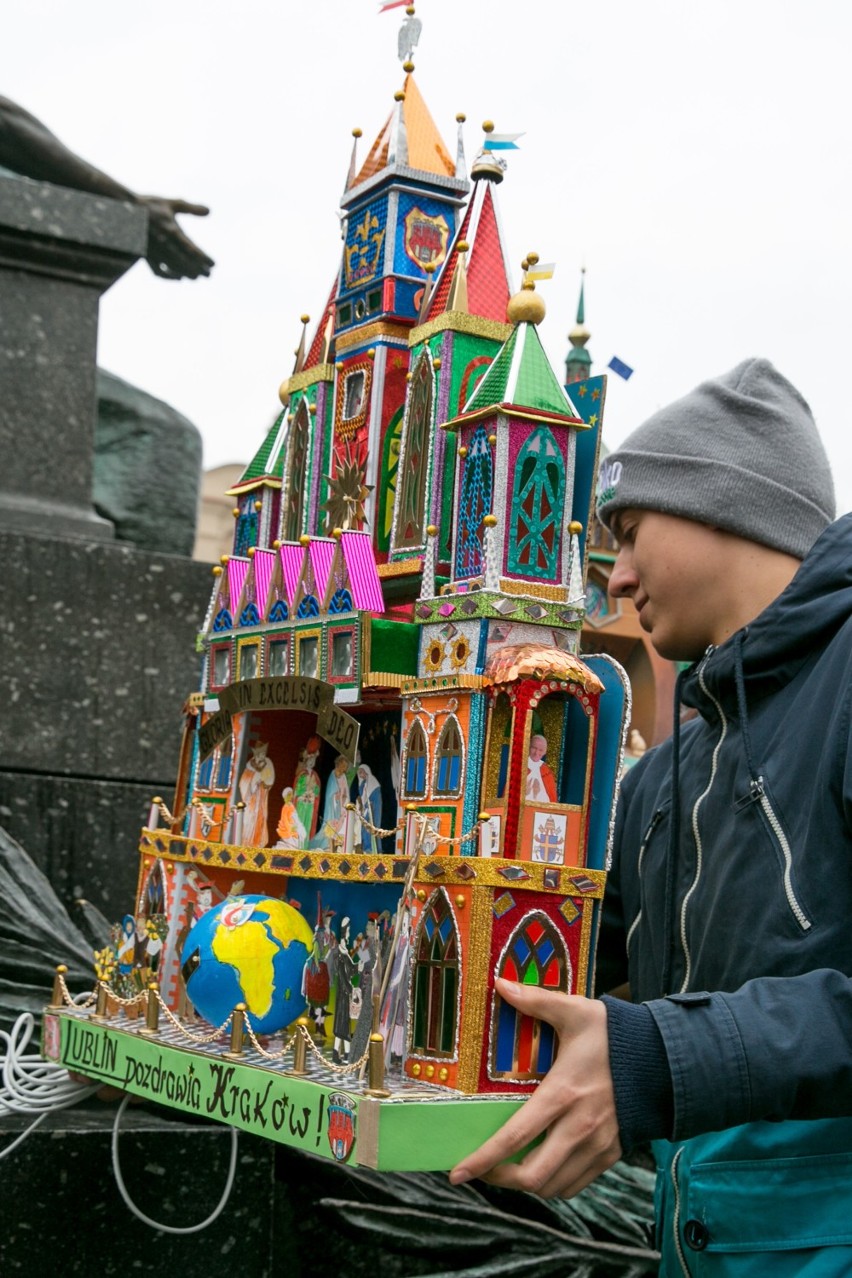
x=426 y=150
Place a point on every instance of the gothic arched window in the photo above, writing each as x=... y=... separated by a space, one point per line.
x=223 y=765
x=411 y=478
x=297 y=458
x=474 y=504
x=448 y=759
x=416 y=755
x=279 y=611
x=535 y=955
x=245 y=535
x=436 y=980
x=538 y=499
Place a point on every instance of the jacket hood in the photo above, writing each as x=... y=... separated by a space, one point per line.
x=803 y=618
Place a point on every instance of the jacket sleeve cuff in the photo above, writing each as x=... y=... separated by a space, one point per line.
x=707 y=1062
x=640 y=1073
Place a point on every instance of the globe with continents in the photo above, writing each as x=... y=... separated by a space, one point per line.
x=252 y=950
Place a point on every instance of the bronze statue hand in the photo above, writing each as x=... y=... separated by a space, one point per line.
x=171 y=254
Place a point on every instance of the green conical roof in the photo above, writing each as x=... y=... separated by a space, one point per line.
x=521 y=375
x=268 y=461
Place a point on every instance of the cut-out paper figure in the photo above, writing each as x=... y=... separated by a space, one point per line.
x=316 y=978
x=291 y=832
x=344 y=972
x=369 y=807
x=256 y=781
x=541 y=783
x=369 y=983
x=306 y=787
x=333 y=826
x=394 y=1011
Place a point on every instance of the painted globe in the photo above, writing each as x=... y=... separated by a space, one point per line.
x=252 y=950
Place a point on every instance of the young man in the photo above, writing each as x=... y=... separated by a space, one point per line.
x=728 y=908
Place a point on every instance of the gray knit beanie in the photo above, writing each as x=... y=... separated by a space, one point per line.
x=740 y=452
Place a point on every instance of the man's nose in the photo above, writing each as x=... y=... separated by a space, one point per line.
x=623 y=579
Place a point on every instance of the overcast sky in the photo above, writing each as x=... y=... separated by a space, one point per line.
x=695 y=155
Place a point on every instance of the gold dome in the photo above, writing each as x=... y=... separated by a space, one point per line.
x=526 y=307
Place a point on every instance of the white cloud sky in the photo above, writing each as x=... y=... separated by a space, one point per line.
x=695 y=155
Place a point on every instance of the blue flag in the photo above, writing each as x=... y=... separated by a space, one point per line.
x=618 y=366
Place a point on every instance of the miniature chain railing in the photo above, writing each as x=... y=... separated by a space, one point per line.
x=374 y=829
x=142 y=998
x=272 y=1056
x=68 y=997
x=190 y=1034
x=330 y=1065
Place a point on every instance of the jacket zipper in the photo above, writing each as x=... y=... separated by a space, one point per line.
x=676 y=1212
x=757 y=794
x=655 y=821
x=696 y=833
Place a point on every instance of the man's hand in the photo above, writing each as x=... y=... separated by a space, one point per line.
x=574 y=1104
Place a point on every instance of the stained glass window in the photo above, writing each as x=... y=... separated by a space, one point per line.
x=411 y=481
x=223 y=765
x=415 y=762
x=476 y=486
x=245 y=535
x=538 y=498
x=535 y=955
x=436 y=979
x=448 y=759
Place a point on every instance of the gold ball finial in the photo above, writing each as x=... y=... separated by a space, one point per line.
x=399 y=96
x=223 y=559
x=429 y=268
x=575 y=527
x=525 y=264
x=409 y=9
x=431 y=530
x=487 y=126
x=306 y=319
x=251 y=552
x=284 y=391
x=276 y=545
x=526 y=307
x=336 y=533
x=236 y=512
x=217 y=570
x=304 y=540
x=490 y=521
x=460 y=117
x=462 y=246
x=532 y=258
x=356 y=132
x=408 y=66
x=258 y=505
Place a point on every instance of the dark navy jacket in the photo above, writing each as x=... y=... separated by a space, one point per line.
x=731 y=885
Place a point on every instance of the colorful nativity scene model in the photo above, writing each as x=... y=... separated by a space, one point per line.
x=396 y=778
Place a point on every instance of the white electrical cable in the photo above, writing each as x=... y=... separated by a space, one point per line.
x=31 y=1085
x=140 y=1215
